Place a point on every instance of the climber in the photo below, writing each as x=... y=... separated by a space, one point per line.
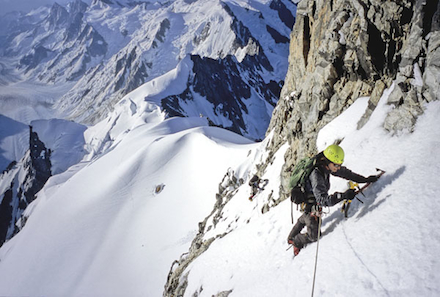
x=316 y=188
x=254 y=184
x=257 y=185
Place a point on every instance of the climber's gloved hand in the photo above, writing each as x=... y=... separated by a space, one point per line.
x=348 y=195
x=372 y=178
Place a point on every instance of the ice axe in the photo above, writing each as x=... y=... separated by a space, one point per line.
x=358 y=189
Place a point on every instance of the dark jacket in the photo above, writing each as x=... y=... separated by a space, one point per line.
x=318 y=184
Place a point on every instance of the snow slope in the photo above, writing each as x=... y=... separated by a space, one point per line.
x=386 y=247
x=113 y=224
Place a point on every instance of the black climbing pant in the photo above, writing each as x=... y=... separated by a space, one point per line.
x=301 y=239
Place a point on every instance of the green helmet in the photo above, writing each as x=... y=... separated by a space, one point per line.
x=334 y=153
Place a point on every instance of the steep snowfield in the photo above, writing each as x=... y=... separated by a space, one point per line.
x=112 y=226
x=386 y=247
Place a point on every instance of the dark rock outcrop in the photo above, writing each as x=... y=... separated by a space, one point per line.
x=221 y=83
x=24 y=179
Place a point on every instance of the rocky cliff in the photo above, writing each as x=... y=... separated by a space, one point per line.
x=19 y=185
x=342 y=50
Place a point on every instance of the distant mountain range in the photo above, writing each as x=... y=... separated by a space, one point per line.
x=239 y=51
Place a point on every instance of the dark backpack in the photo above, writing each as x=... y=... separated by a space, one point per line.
x=297 y=183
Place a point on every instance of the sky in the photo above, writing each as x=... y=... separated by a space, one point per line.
x=27 y=5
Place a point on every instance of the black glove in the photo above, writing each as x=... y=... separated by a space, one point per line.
x=338 y=197
x=372 y=178
x=348 y=195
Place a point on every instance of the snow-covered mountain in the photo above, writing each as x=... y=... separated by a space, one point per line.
x=145 y=203
x=105 y=50
x=114 y=225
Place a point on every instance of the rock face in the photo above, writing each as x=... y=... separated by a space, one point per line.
x=343 y=50
x=20 y=183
